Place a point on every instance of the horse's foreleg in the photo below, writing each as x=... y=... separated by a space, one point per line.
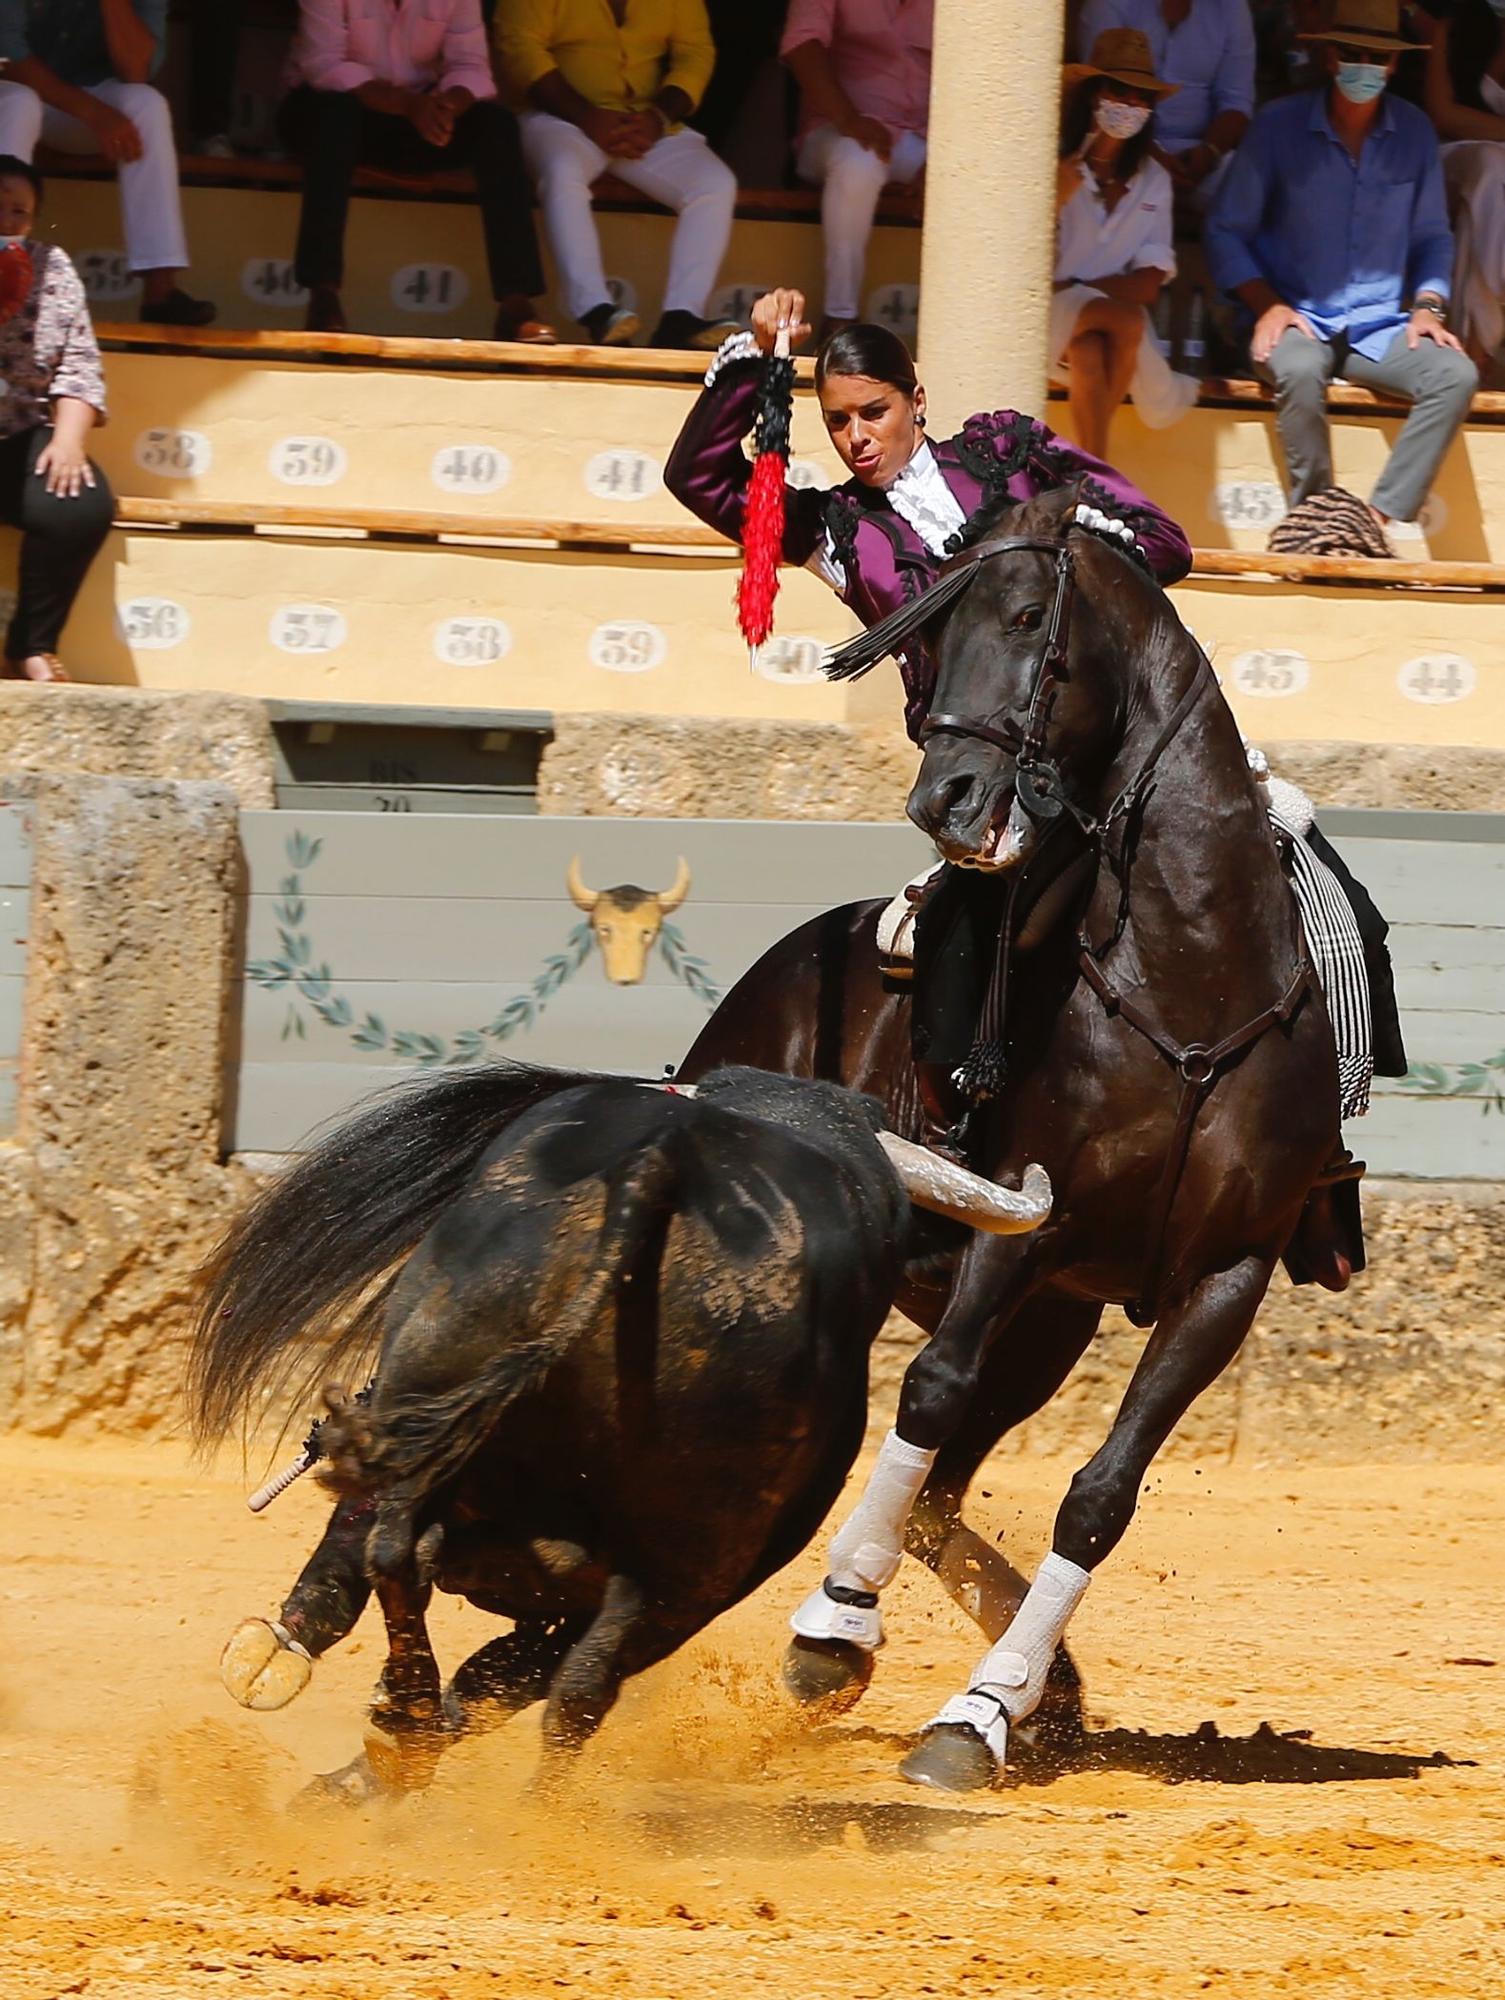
x=267 y=1662
x=1190 y=1347
x=1024 y=1369
x=842 y=1618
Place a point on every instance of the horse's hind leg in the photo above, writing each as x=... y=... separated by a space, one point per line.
x=1189 y=1348
x=265 y=1662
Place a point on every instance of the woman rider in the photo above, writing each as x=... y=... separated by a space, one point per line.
x=879 y=540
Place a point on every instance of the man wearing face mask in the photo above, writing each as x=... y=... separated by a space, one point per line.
x=1331 y=229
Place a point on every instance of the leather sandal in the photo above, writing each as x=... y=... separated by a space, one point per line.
x=15 y=670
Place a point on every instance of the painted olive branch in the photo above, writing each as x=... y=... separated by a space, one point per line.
x=292 y=969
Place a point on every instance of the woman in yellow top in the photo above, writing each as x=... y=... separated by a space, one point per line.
x=597 y=90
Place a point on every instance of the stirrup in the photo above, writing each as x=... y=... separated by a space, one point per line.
x=1341 y=1167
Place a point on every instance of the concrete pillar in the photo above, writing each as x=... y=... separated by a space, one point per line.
x=989 y=241
x=128 y=975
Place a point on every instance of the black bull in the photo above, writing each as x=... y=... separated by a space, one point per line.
x=622 y=1377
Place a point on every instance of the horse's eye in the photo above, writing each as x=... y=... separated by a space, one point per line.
x=1029 y=619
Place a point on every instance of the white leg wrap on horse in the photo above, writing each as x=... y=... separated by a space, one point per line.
x=869 y=1545
x=1016 y=1667
x=867 y=1549
x=1010 y=1680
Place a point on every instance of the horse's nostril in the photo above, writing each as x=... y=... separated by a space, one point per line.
x=955 y=793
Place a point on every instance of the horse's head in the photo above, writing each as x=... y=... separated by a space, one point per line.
x=1027 y=707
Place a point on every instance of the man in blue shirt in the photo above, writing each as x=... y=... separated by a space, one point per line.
x=1204 y=47
x=1331 y=218
x=76 y=77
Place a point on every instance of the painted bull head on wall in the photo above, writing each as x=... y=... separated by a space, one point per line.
x=627 y=919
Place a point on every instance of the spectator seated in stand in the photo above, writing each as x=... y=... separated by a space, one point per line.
x=409 y=88
x=863 y=68
x=54 y=397
x=1465 y=98
x=1113 y=250
x=1331 y=217
x=214 y=30
x=76 y=80
x=609 y=84
x=1206 y=49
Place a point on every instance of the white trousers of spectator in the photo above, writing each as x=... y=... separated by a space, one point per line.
x=1475 y=173
x=151 y=206
x=680 y=171
x=852 y=178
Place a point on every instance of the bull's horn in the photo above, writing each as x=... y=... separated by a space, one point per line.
x=670 y=899
x=583 y=898
x=938 y=1184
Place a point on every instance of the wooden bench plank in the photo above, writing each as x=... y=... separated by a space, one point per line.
x=690 y=537
x=644 y=364
x=902 y=206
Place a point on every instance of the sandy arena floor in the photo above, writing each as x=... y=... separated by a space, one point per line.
x=711 y=1849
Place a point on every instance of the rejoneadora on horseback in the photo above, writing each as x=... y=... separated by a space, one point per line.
x=1111 y=976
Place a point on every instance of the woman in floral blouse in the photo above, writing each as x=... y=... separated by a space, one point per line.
x=51 y=397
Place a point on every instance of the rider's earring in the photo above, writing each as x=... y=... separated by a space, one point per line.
x=920 y=419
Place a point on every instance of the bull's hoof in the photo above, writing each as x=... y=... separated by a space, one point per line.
x=354 y=1784
x=950 y=1758
x=825 y=1675
x=262 y=1666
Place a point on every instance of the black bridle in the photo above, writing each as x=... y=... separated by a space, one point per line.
x=1037 y=784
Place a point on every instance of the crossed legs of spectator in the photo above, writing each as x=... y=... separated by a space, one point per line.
x=151 y=206
x=1438 y=381
x=334 y=133
x=682 y=173
x=60 y=537
x=1101 y=355
x=851 y=177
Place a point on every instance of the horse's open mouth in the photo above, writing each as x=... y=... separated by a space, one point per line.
x=1003 y=844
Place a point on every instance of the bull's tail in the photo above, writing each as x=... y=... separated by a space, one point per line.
x=297 y=1290
x=420 y=1441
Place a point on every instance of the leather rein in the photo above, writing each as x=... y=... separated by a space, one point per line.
x=1041 y=794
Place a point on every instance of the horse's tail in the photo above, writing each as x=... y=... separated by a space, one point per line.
x=298 y=1288
x=420 y=1439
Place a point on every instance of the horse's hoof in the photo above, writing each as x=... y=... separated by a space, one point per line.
x=826 y=1674
x=950 y=1758
x=262 y=1666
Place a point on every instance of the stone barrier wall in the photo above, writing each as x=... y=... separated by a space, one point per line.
x=114 y=1186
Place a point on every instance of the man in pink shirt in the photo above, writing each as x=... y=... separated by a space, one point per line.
x=863 y=67
x=405 y=84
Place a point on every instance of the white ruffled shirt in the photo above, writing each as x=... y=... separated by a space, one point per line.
x=919 y=496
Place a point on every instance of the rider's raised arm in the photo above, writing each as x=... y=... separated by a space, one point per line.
x=1059 y=462
x=709 y=472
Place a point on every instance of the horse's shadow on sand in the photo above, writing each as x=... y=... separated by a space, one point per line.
x=1207 y=1757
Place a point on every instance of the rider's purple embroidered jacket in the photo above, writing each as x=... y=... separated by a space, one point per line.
x=995 y=457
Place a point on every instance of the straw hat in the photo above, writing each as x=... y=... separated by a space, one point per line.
x=1121 y=55
x=1361 y=24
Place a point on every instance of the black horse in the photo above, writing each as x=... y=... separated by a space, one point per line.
x=622 y=1375
x=1168 y=1054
